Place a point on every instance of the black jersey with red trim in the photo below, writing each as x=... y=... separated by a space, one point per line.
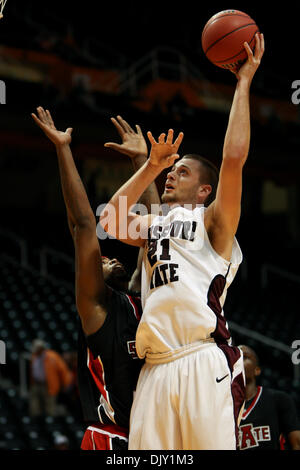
x=267 y=417
x=108 y=366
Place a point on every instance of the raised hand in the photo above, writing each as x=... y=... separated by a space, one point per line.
x=133 y=143
x=45 y=122
x=164 y=152
x=248 y=69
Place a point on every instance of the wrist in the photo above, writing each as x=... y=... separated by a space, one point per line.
x=61 y=145
x=244 y=82
x=153 y=168
x=139 y=158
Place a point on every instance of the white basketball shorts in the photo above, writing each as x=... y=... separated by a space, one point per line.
x=191 y=403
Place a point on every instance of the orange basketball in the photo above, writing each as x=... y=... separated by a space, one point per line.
x=224 y=35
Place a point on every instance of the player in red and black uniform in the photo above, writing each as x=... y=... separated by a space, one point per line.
x=108 y=367
x=269 y=416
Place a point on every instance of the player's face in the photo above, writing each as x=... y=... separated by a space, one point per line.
x=114 y=272
x=250 y=364
x=182 y=184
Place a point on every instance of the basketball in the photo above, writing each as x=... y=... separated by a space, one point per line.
x=224 y=35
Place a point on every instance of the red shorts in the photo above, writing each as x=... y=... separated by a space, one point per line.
x=105 y=437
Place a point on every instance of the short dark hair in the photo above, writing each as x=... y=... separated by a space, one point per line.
x=210 y=175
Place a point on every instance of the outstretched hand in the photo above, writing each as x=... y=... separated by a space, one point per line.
x=45 y=122
x=248 y=69
x=164 y=152
x=133 y=143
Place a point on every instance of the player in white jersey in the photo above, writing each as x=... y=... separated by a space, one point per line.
x=184 y=284
x=191 y=389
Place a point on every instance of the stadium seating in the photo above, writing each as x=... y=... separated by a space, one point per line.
x=19 y=431
x=31 y=307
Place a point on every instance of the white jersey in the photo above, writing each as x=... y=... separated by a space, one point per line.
x=184 y=285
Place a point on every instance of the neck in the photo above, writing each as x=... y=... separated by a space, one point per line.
x=251 y=390
x=118 y=285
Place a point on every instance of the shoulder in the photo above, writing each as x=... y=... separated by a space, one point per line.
x=135 y=303
x=281 y=398
x=272 y=392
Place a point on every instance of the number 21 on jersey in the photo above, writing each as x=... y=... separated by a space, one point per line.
x=163 y=273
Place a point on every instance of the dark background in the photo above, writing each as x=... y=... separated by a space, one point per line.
x=124 y=34
x=107 y=36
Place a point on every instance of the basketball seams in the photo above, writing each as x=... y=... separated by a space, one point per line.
x=228 y=34
x=212 y=21
x=236 y=55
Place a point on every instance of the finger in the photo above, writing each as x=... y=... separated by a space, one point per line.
x=257 y=46
x=262 y=45
x=171 y=159
x=248 y=50
x=170 y=136
x=39 y=110
x=125 y=125
x=37 y=120
x=119 y=128
x=42 y=114
x=113 y=146
x=151 y=138
x=45 y=117
x=34 y=116
x=139 y=130
x=161 y=138
x=179 y=139
x=69 y=130
x=49 y=118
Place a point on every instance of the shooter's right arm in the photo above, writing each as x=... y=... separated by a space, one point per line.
x=117 y=219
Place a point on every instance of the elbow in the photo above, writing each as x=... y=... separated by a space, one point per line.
x=81 y=223
x=236 y=156
x=84 y=222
